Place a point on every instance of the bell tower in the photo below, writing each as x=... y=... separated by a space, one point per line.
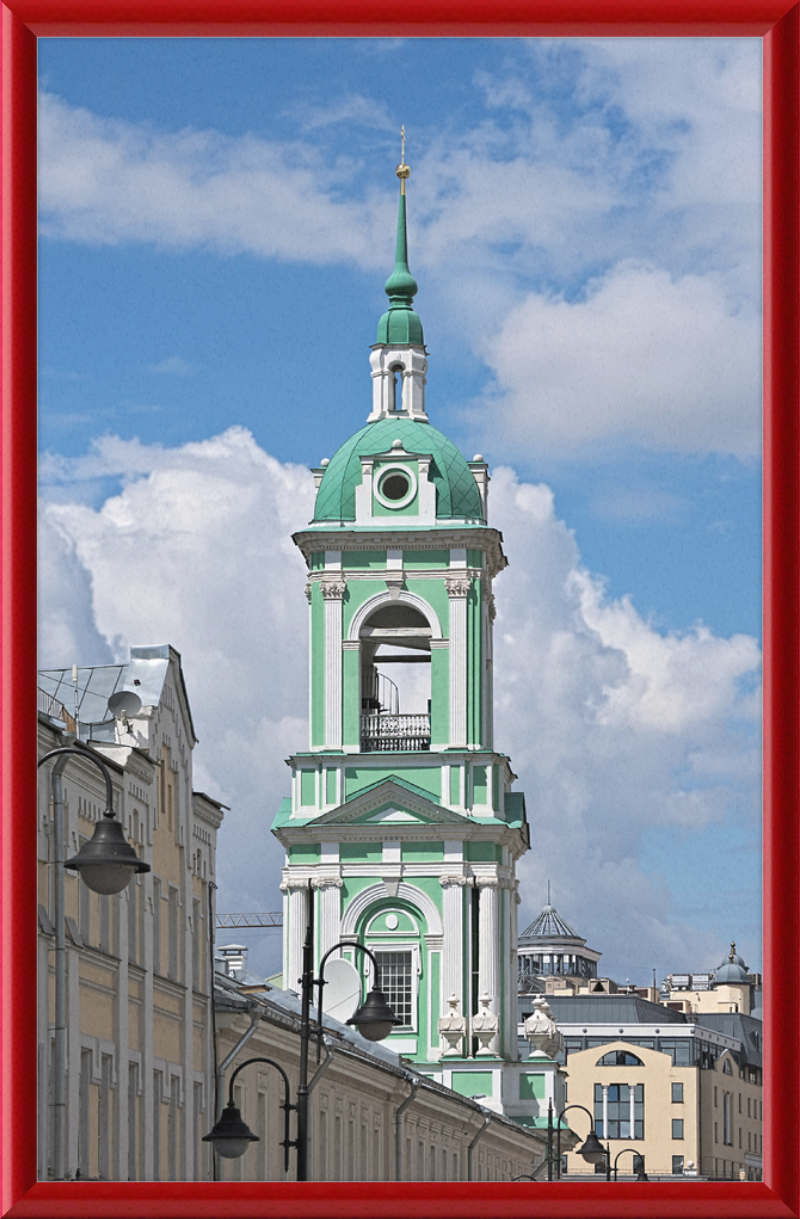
x=402 y=815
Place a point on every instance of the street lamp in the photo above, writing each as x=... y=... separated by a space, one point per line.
x=641 y=1175
x=374 y=1020
x=107 y=863
x=231 y=1135
x=592 y=1150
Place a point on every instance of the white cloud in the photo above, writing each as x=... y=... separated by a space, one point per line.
x=611 y=725
x=667 y=363
x=598 y=219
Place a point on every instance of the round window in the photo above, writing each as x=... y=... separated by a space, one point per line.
x=396 y=486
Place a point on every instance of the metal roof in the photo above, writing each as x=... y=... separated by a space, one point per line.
x=549 y=925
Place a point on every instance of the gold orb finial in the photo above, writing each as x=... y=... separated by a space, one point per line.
x=402 y=170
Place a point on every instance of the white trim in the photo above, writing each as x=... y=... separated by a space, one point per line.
x=378 y=599
x=405 y=892
x=407 y=472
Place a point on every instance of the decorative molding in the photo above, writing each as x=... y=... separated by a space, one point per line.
x=457 y=586
x=452 y=878
x=333 y=589
x=326 y=882
x=377 y=892
x=372 y=603
x=308 y=591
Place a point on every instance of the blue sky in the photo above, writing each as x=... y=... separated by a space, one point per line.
x=217 y=222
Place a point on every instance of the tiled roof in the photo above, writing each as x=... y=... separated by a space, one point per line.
x=456 y=490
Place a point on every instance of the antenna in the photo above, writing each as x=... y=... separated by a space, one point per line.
x=342 y=991
x=75 y=690
x=124 y=703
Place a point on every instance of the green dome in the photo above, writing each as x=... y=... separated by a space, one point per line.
x=456 y=490
x=401 y=327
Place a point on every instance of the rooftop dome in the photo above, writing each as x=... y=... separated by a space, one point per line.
x=549 y=925
x=457 y=495
x=732 y=971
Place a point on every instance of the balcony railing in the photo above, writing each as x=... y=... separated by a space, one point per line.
x=383 y=732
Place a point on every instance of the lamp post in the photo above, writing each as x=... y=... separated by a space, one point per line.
x=374 y=1020
x=107 y=863
x=592 y=1150
x=231 y=1135
x=641 y=1175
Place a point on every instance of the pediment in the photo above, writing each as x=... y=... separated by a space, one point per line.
x=390 y=803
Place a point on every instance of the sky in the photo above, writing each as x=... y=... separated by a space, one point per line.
x=217 y=221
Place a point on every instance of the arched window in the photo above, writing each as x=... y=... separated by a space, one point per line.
x=393 y=935
x=619 y=1058
x=396 y=371
x=726 y=1067
x=395 y=711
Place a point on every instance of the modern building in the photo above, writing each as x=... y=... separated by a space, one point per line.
x=373 y=1116
x=402 y=828
x=680 y=1084
x=139 y=968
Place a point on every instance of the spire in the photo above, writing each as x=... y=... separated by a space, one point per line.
x=401 y=326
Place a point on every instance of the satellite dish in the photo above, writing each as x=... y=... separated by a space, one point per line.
x=124 y=702
x=341 y=993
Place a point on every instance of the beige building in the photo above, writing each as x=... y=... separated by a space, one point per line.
x=139 y=1028
x=682 y=1120
x=372 y=1117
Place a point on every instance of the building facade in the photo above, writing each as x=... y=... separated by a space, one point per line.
x=372 y=1117
x=683 y=1090
x=402 y=827
x=139 y=969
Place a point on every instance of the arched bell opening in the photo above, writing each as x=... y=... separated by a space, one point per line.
x=395 y=649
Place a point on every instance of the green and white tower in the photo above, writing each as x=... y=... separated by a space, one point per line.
x=402 y=815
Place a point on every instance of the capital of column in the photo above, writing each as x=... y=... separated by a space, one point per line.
x=291 y=884
x=326 y=882
x=452 y=878
x=488 y=882
x=457 y=586
x=333 y=590
x=308 y=591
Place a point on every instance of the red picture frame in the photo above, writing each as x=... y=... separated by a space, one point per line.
x=21 y=22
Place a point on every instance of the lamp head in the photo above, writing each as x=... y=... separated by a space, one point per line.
x=107 y=861
x=592 y=1150
x=375 y=1018
x=231 y=1136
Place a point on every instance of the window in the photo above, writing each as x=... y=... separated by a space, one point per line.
x=740 y=1102
x=726 y=1067
x=727 y=1118
x=156 y=925
x=396 y=984
x=104 y=1119
x=173 y=933
x=619 y=1112
x=84 y=1084
x=158 y=1078
x=748 y=1106
x=677 y=1166
x=172 y=1127
x=619 y=1058
x=677 y=1094
x=677 y=1127
x=133 y=1089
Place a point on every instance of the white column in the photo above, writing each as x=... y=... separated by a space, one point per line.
x=329 y=906
x=632 y=1101
x=332 y=592
x=605 y=1112
x=297 y=911
x=458 y=590
x=452 y=974
x=489 y=944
